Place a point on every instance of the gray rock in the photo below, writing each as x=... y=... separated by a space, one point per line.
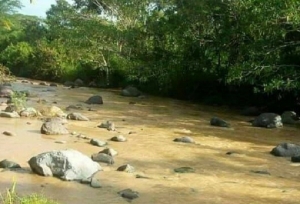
x=30 y=112
x=98 y=143
x=126 y=168
x=289 y=117
x=9 y=114
x=5 y=91
x=108 y=125
x=9 y=164
x=215 y=121
x=95 y=183
x=286 y=150
x=129 y=194
x=77 y=116
x=95 y=100
x=118 y=138
x=104 y=158
x=109 y=151
x=65 y=164
x=54 y=128
x=268 y=120
x=184 y=140
x=131 y=91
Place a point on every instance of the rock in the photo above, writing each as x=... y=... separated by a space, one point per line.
x=78 y=82
x=215 y=121
x=119 y=138
x=95 y=183
x=295 y=158
x=11 y=108
x=5 y=91
x=74 y=107
x=95 y=100
x=126 y=168
x=129 y=194
x=53 y=111
x=104 y=158
x=43 y=84
x=54 y=128
x=98 y=143
x=286 y=150
x=30 y=112
x=6 y=164
x=53 y=84
x=7 y=133
x=251 y=111
x=77 y=116
x=108 y=125
x=86 y=181
x=65 y=164
x=184 y=170
x=131 y=91
x=184 y=140
x=268 y=120
x=9 y=114
x=109 y=151
x=289 y=117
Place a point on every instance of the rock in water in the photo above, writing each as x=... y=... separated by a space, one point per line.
x=95 y=100
x=54 y=128
x=131 y=91
x=215 y=121
x=65 y=164
x=268 y=120
x=289 y=117
x=286 y=150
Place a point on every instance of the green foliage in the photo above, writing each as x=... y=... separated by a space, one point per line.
x=18 y=100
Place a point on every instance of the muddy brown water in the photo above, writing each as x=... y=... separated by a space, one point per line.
x=218 y=178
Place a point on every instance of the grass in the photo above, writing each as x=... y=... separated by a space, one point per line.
x=11 y=197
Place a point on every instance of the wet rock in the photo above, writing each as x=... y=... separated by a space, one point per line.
x=65 y=164
x=108 y=125
x=8 y=133
x=268 y=120
x=5 y=91
x=70 y=107
x=77 y=116
x=286 y=150
x=215 y=121
x=289 y=117
x=95 y=100
x=54 y=128
x=109 y=151
x=78 y=82
x=30 y=112
x=13 y=114
x=131 y=91
x=126 y=168
x=6 y=164
x=104 y=158
x=95 y=183
x=129 y=194
x=184 y=140
x=98 y=143
x=184 y=170
x=260 y=172
x=118 y=138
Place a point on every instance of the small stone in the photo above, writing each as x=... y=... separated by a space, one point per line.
x=184 y=140
x=109 y=151
x=141 y=176
x=86 y=181
x=184 y=170
x=105 y=158
x=108 y=125
x=8 y=164
x=260 y=172
x=131 y=132
x=98 y=143
x=127 y=168
x=119 y=138
x=7 y=133
x=95 y=183
x=129 y=194
x=61 y=142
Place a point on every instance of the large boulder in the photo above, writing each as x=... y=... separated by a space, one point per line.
x=268 y=120
x=5 y=91
x=54 y=128
x=131 y=91
x=65 y=164
x=95 y=100
x=286 y=150
x=289 y=117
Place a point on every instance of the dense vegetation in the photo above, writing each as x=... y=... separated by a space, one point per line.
x=218 y=50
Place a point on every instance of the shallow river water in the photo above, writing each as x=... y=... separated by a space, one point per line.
x=219 y=178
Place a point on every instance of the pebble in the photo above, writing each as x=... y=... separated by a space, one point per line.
x=129 y=194
x=8 y=133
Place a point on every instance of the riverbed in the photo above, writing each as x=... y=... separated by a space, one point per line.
x=154 y=123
